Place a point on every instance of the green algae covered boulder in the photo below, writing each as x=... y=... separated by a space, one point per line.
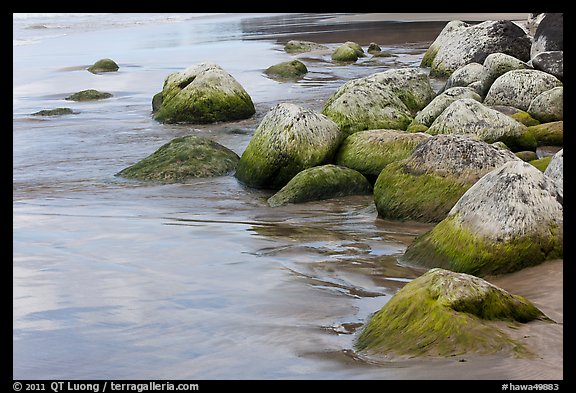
x=299 y=46
x=203 y=93
x=348 y=52
x=184 y=158
x=388 y=99
x=103 y=65
x=370 y=151
x=548 y=134
x=88 y=95
x=288 y=140
x=321 y=182
x=55 y=112
x=509 y=219
x=287 y=70
x=427 y=184
x=442 y=313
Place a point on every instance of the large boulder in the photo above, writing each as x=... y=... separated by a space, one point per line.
x=518 y=88
x=388 y=99
x=203 y=93
x=551 y=62
x=430 y=112
x=319 y=183
x=472 y=75
x=370 y=151
x=548 y=106
x=460 y=43
x=348 y=52
x=497 y=64
x=288 y=140
x=470 y=117
x=442 y=313
x=427 y=184
x=509 y=219
x=555 y=169
x=184 y=158
x=549 y=35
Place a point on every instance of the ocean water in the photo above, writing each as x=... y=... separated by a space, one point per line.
x=118 y=279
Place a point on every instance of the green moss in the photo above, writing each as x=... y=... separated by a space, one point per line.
x=401 y=195
x=527 y=155
x=55 y=112
x=184 y=158
x=541 y=163
x=428 y=57
x=364 y=152
x=524 y=141
x=451 y=246
x=202 y=107
x=88 y=95
x=445 y=314
x=322 y=182
x=417 y=127
x=548 y=134
x=103 y=65
x=525 y=118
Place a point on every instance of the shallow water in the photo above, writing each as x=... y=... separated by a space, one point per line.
x=121 y=279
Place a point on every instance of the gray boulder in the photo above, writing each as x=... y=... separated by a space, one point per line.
x=472 y=75
x=555 y=169
x=518 y=88
x=460 y=43
x=288 y=140
x=549 y=35
x=551 y=62
x=203 y=93
x=430 y=112
x=497 y=64
x=509 y=219
x=470 y=117
x=427 y=184
x=388 y=99
x=548 y=106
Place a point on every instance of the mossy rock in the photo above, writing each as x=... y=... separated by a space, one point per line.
x=548 y=106
x=384 y=100
x=370 y=151
x=541 y=163
x=425 y=186
x=527 y=155
x=88 y=95
x=548 y=134
x=55 y=112
x=287 y=70
x=184 y=158
x=424 y=118
x=319 y=183
x=509 y=219
x=288 y=140
x=468 y=116
x=203 y=93
x=345 y=53
x=442 y=314
x=555 y=169
x=517 y=114
x=374 y=48
x=299 y=46
x=103 y=65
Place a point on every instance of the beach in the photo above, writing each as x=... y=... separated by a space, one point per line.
x=121 y=279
